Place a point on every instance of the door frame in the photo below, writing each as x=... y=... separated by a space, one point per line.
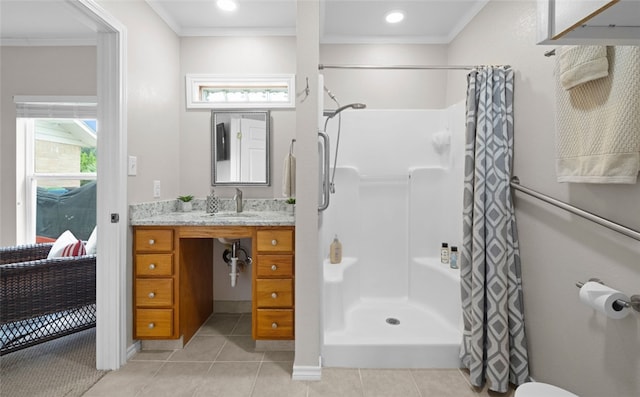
x=111 y=263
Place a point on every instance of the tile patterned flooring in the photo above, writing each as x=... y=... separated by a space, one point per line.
x=220 y=360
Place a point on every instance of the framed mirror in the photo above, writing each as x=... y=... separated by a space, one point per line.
x=240 y=142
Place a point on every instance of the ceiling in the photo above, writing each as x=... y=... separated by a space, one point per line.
x=38 y=22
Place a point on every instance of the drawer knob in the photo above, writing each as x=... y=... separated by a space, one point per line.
x=152 y=242
x=152 y=325
x=152 y=295
x=274 y=295
x=274 y=325
x=274 y=242
x=274 y=267
x=152 y=266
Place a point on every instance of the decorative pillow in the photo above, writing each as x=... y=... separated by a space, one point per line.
x=92 y=242
x=74 y=249
x=65 y=239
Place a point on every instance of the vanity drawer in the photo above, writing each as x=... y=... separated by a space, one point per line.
x=274 y=324
x=275 y=265
x=154 y=240
x=275 y=240
x=274 y=292
x=154 y=323
x=154 y=292
x=154 y=264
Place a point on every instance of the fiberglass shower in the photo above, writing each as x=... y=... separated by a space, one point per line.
x=390 y=303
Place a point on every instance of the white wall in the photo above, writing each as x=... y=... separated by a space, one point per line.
x=569 y=345
x=385 y=89
x=232 y=55
x=153 y=92
x=307 y=285
x=34 y=71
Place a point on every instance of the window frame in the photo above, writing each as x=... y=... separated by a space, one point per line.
x=28 y=109
x=195 y=83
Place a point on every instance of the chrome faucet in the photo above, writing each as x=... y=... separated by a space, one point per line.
x=238 y=199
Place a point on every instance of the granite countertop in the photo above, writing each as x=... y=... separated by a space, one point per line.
x=257 y=212
x=202 y=218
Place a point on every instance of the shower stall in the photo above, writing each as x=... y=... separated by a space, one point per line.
x=391 y=303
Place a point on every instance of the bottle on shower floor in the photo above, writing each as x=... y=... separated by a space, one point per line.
x=335 y=251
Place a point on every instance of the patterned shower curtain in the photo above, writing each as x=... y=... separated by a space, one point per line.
x=494 y=344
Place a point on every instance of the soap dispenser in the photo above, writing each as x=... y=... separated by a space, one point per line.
x=335 y=251
x=213 y=203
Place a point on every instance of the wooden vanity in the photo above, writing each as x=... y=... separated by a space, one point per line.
x=173 y=279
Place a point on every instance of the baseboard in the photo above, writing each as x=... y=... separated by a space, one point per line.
x=133 y=350
x=308 y=372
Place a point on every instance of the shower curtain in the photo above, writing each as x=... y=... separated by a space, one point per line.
x=494 y=346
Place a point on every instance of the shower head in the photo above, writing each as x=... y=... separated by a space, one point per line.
x=351 y=105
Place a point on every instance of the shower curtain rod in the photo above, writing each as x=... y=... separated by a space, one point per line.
x=403 y=67
x=634 y=234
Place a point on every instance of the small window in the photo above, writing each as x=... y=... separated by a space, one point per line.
x=228 y=92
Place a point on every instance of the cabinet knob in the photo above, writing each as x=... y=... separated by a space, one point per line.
x=274 y=267
x=152 y=266
x=274 y=295
x=274 y=325
x=274 y=242
x=152 y=325
x=152 y=295
x=152 y=242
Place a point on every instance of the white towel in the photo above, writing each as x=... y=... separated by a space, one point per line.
x=598 y=123
x=289 y=176
x=580 y=64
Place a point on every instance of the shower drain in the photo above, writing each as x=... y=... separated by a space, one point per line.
x=392 y=321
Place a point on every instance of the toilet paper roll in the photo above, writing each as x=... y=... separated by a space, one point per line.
x=602 y=299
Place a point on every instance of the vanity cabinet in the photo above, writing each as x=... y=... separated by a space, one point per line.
x=173 y=279
x=273 y=284
x=154 y=284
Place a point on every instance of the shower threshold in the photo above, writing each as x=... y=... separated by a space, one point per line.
x=414 y=338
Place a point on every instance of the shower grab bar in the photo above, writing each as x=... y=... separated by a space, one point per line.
x=325 y=172
x=634 y=234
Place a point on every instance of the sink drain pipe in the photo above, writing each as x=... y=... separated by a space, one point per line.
x=232 y=260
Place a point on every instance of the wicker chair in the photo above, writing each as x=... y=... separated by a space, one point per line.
x=42 y=299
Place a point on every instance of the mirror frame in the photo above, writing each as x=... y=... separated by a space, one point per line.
x=214 y=147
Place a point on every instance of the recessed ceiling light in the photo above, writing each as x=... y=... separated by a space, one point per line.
x=394 y=16
x=227 y=5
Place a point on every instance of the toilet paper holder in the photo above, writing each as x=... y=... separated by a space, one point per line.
x=633 y=302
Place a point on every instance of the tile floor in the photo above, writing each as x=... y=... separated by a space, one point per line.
x=220 y=361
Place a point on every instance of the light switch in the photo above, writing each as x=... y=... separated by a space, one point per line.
x=156 y=189
x=133 y=166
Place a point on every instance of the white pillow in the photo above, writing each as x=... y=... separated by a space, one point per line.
x=92 y=242
x=65 y=239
